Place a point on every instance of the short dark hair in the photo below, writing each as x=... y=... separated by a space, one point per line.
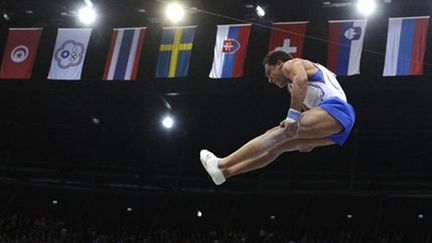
x=272 y=57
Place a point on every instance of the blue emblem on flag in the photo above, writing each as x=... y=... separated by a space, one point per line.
x=70 y=53
x=353 y=33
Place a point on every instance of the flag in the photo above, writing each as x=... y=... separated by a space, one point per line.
x=406 y=45
x=69 y=54
x=288 y=37
x=20 y=53
x=345 y=46
x=230 y=51
x=124 y=54
x=175 y=51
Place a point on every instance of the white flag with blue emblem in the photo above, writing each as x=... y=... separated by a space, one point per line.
x=69 y=54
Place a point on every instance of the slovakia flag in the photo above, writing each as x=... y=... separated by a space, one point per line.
x=406 y=46
x=230 y=51
x=345 y=46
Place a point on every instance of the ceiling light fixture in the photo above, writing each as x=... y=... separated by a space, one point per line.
x=6 y=16
x=366 y=7
x=168 y=122
x=174 y=12
x=87 y=15
x=260 y=11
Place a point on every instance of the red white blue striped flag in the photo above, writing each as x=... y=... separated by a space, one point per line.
x=230 y=51
x=345 y=46
x=406 y=46
x=124 y=54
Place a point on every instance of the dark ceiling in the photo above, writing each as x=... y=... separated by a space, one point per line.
x=47 y=137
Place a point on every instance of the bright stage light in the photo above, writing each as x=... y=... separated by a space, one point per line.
x=174 y=12
x=260 y=11
x=168 y=122
x=366 y=7
x=87 y=15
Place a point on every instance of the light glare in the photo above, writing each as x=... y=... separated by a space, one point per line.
x=175 y=12
x=168 y=122
x=260 y=11
x=87 y=15
x=366 y=7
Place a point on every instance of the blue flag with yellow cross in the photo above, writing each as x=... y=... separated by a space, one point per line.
x=175 y=51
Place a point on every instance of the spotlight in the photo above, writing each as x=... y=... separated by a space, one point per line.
x=87 y=15
x=366 y=7
x=95 y=121
x=199 y=214
x=54 y=202
x=174 y=12
x=129 y=209
x=260 y=11
x=6 y=16
x=168 y=122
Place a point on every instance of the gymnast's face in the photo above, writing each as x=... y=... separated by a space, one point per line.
x=274 y=74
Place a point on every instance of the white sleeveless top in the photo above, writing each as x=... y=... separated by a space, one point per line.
x=321 y=87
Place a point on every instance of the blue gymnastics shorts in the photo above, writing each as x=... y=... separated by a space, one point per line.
x=342 y=112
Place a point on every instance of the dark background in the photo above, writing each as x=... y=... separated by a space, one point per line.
x=50 y=149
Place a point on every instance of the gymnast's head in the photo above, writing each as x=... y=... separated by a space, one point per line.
x=273 y=62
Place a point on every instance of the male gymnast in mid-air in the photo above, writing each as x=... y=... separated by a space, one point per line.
x=319 y=115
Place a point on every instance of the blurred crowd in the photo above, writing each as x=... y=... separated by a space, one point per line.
x=25 y=229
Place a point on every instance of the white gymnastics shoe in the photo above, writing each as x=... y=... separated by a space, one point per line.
x=210 y=163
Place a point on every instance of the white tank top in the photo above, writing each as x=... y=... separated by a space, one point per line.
x=321 y=87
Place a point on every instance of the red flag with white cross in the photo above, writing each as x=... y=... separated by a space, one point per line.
x=289 y=37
